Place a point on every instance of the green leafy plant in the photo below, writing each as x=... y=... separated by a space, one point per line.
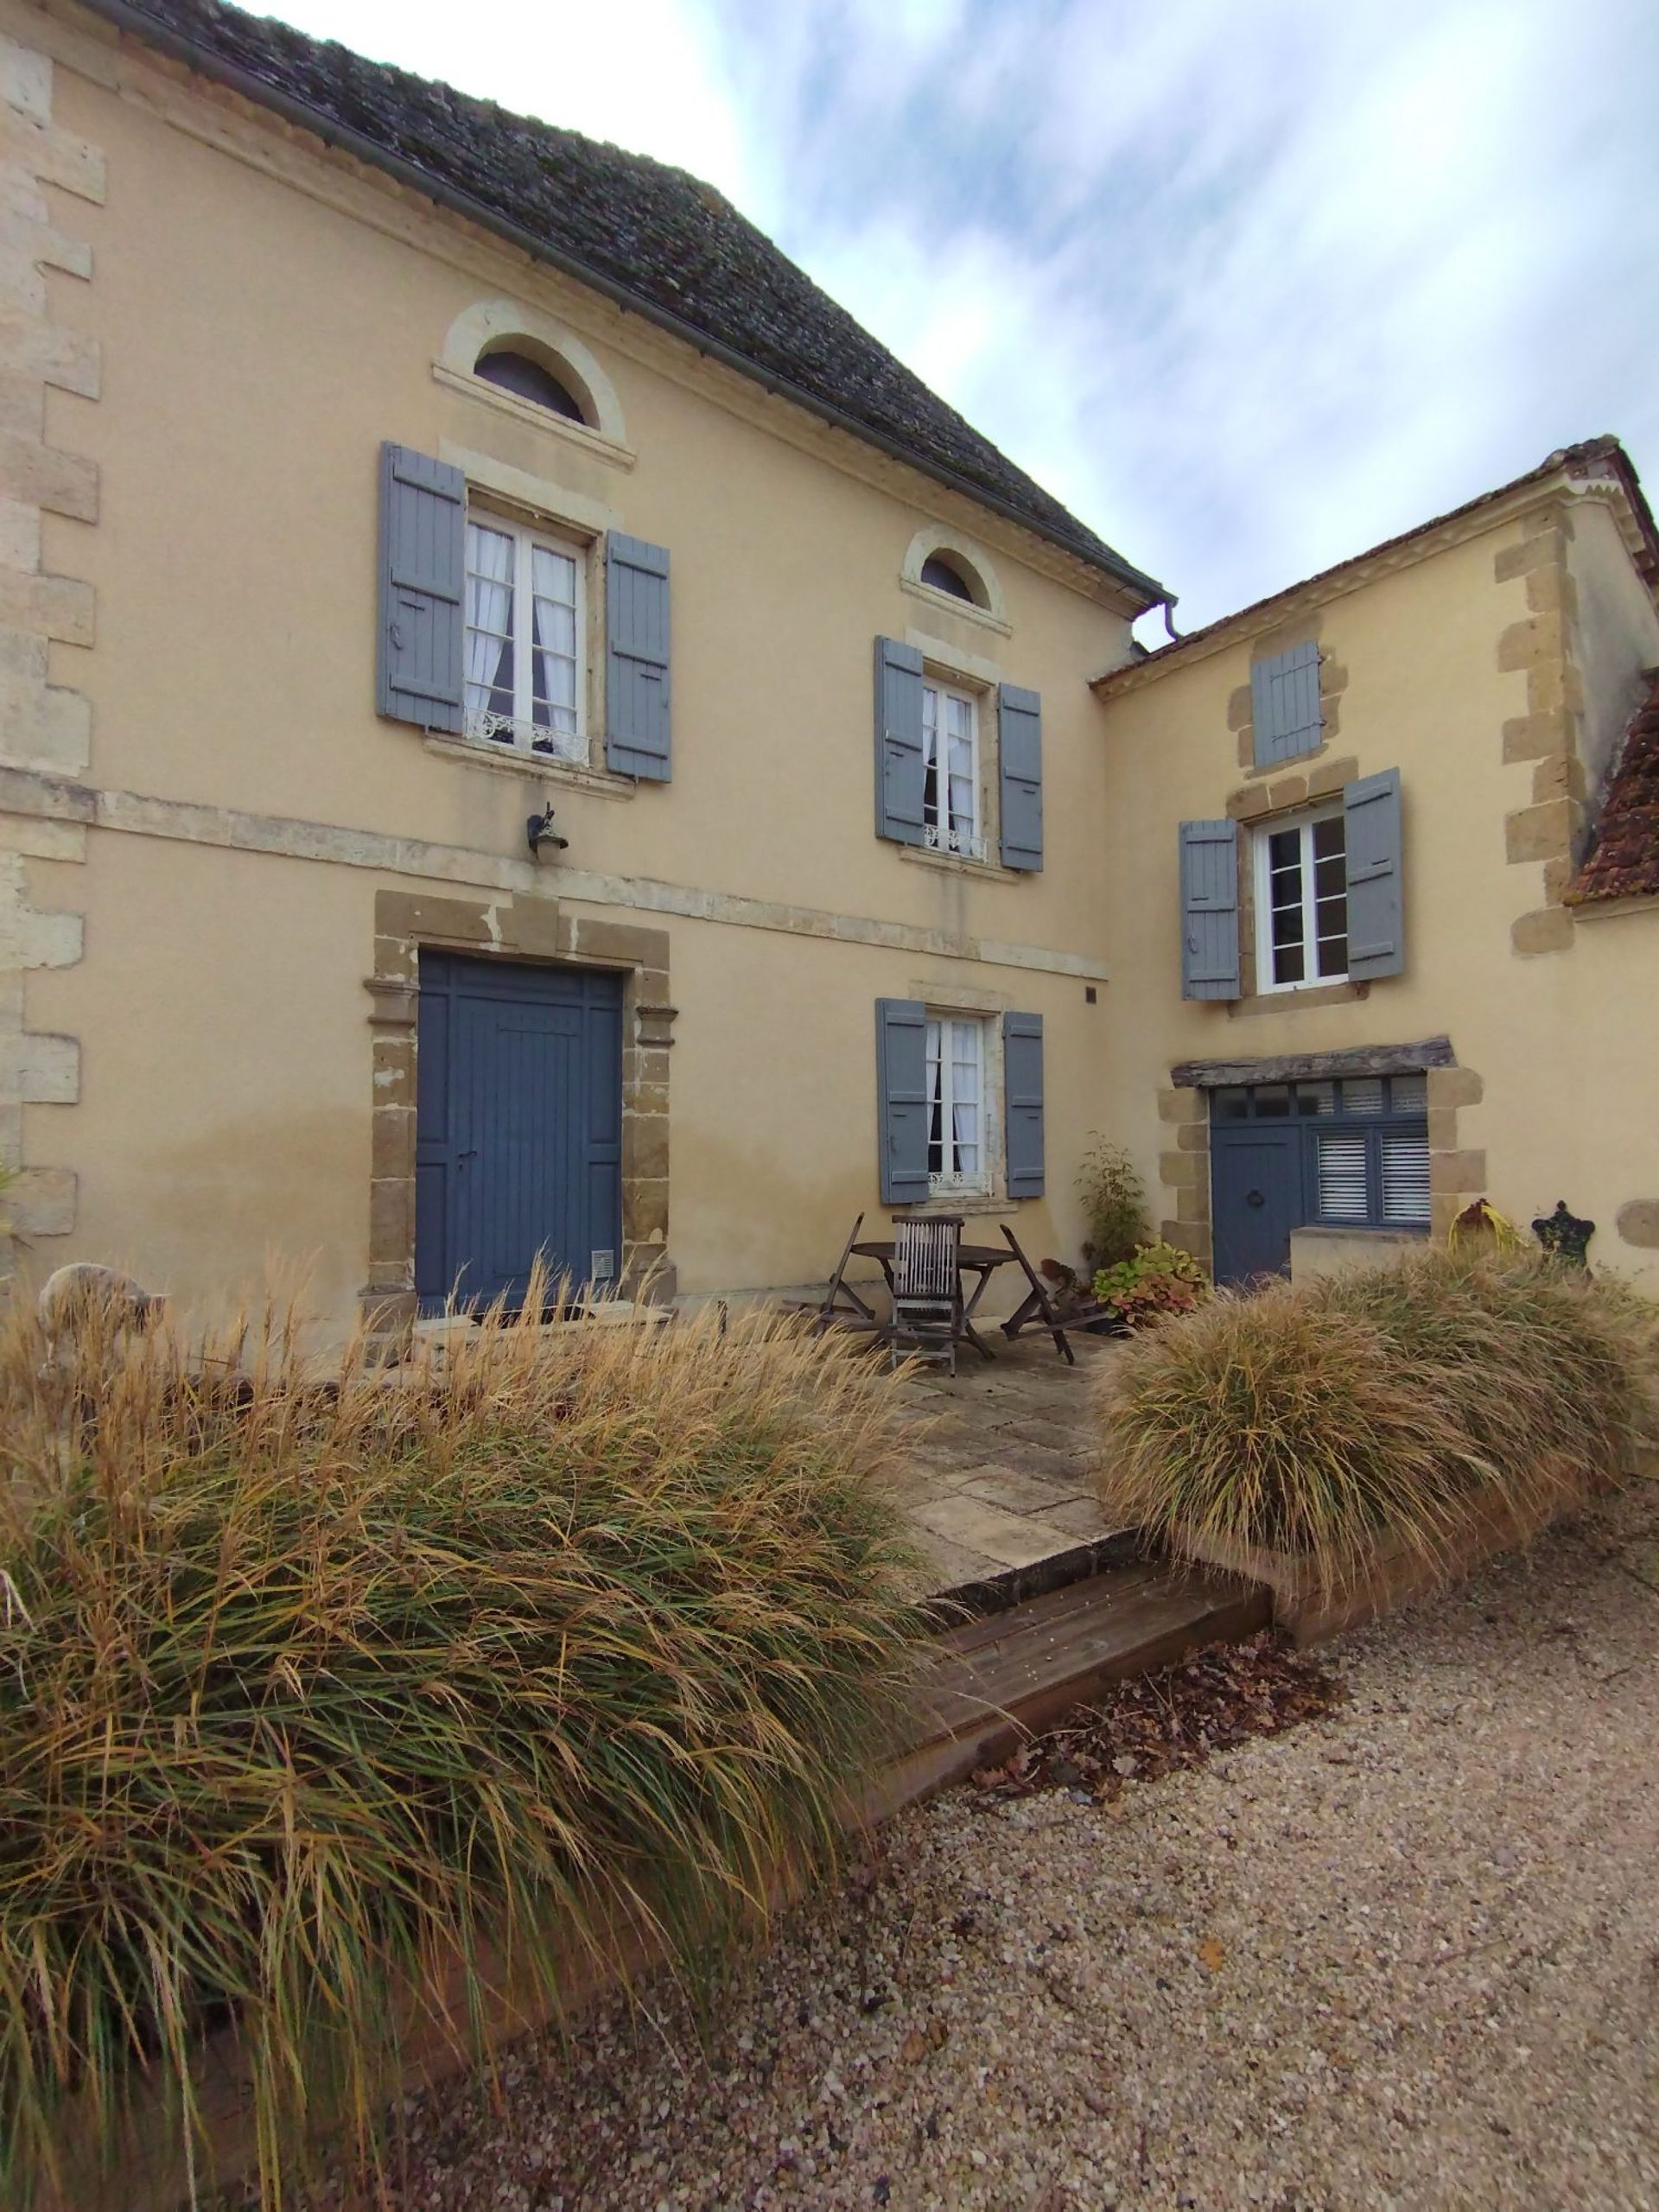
x=1114 y=1205
x=328 y=1698
x=1393 y=1408
x=1160 y=1280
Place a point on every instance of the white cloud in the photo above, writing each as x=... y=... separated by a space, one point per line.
x=1250 y=287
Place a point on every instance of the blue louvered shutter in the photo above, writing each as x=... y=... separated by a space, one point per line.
x=898 y=777
x=1022 y=1092
x=1020 y=745
x=901 y=1100
x=1377 y=937
x=636 y=659
x=420 y=658
x=1285 y=704
x=1209 y=910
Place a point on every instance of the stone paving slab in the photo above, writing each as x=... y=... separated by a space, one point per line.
x=1001 y=1473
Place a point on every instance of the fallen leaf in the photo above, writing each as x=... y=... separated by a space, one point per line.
x=1213 y=1953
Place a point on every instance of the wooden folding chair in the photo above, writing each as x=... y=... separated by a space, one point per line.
x=927 y=1314
x=840 y=1305
x=1036 y=1309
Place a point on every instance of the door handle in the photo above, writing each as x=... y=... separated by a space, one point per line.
x=1254 y=1198
x=472 y=1154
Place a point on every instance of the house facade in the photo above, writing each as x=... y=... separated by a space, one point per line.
x=1367 y=823
x=522 y=728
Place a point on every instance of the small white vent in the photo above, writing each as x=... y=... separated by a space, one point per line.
x=1405 y=1179
x=601 y=1267
x=1342 y=1178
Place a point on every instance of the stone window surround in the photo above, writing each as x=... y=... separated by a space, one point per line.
x=972 y=560
x=525 y=929
x=1253 y=806
x=1333 y=682
x=1457 y=1174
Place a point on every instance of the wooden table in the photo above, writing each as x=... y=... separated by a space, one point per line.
x=982 y=1260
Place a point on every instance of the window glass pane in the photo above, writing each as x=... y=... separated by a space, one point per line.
x=962 y=797
x=1285 y=927
x=1230 y=1105
x=964 y=1095
x=1405 y=1177
x=1271 y=1102
x=489 y=678
x=1409 y=1094
x=1316 y=1099
x=1363 y=1095
x=1341 y=1177
x=934 y=1102
x=930 y=756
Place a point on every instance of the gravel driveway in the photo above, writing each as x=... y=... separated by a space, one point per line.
x=1407 y=1956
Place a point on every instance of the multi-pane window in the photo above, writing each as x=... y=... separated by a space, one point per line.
x=951 y=770
x=1301 y=899
x=1365 y=1145
x=524 y=624
x=955 y=1093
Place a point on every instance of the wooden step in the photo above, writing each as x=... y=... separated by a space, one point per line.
x=992 y=1681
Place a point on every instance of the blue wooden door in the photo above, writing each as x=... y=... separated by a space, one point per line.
x=1256 y=1197
x=518 y=1127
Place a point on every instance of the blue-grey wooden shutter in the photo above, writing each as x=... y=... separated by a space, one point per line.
x=1209 y=910
x=901 y=1100
x=1022 y=1094
x=1377 y=937
x=636 y=661
x=1285 y=704
x=898 y=777
x=1019 y=746
x=419 y=659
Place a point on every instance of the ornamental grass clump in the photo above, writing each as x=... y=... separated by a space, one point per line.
x=1393 y=1411
x=329 y=1698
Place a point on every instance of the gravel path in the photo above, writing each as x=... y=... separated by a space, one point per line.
x=1405 y=1957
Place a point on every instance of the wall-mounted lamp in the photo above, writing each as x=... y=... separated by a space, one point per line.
x=539 y=831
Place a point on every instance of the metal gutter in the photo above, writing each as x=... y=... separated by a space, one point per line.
x=139 y=24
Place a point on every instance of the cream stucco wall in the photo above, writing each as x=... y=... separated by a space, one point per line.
x=265 y=316
x=1443 y=663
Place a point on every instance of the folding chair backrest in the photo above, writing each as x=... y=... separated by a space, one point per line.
x=926 y=1258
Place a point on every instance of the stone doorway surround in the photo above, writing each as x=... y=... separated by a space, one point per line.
x=524 y=929
x=1456 y=1173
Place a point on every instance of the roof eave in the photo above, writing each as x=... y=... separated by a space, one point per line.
x=1146 y=591
x=1474 y=516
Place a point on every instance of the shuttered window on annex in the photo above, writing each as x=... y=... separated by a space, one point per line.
x=1285 y=704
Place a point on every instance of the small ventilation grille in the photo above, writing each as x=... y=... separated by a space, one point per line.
x=602 y=1266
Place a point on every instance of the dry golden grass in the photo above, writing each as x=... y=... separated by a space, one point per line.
x=313 y=1682
x=1399 y=1408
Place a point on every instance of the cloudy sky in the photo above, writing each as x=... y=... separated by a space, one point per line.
x=1250 y=283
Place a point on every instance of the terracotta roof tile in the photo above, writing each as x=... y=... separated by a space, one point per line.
x=651 y=235
x=1623 y=862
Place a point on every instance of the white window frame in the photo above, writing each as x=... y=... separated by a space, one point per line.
x=950 y=1184
x=1303 y=824
x=520 y=733
x=938 y=835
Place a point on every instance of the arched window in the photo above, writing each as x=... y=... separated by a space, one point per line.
x=529 y=379
x=944 y=576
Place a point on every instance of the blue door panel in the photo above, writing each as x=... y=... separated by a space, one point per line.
x=1256 y=1197
x=518 y=1136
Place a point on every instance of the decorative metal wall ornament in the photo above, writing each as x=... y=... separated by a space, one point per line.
x=1564 y=1236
